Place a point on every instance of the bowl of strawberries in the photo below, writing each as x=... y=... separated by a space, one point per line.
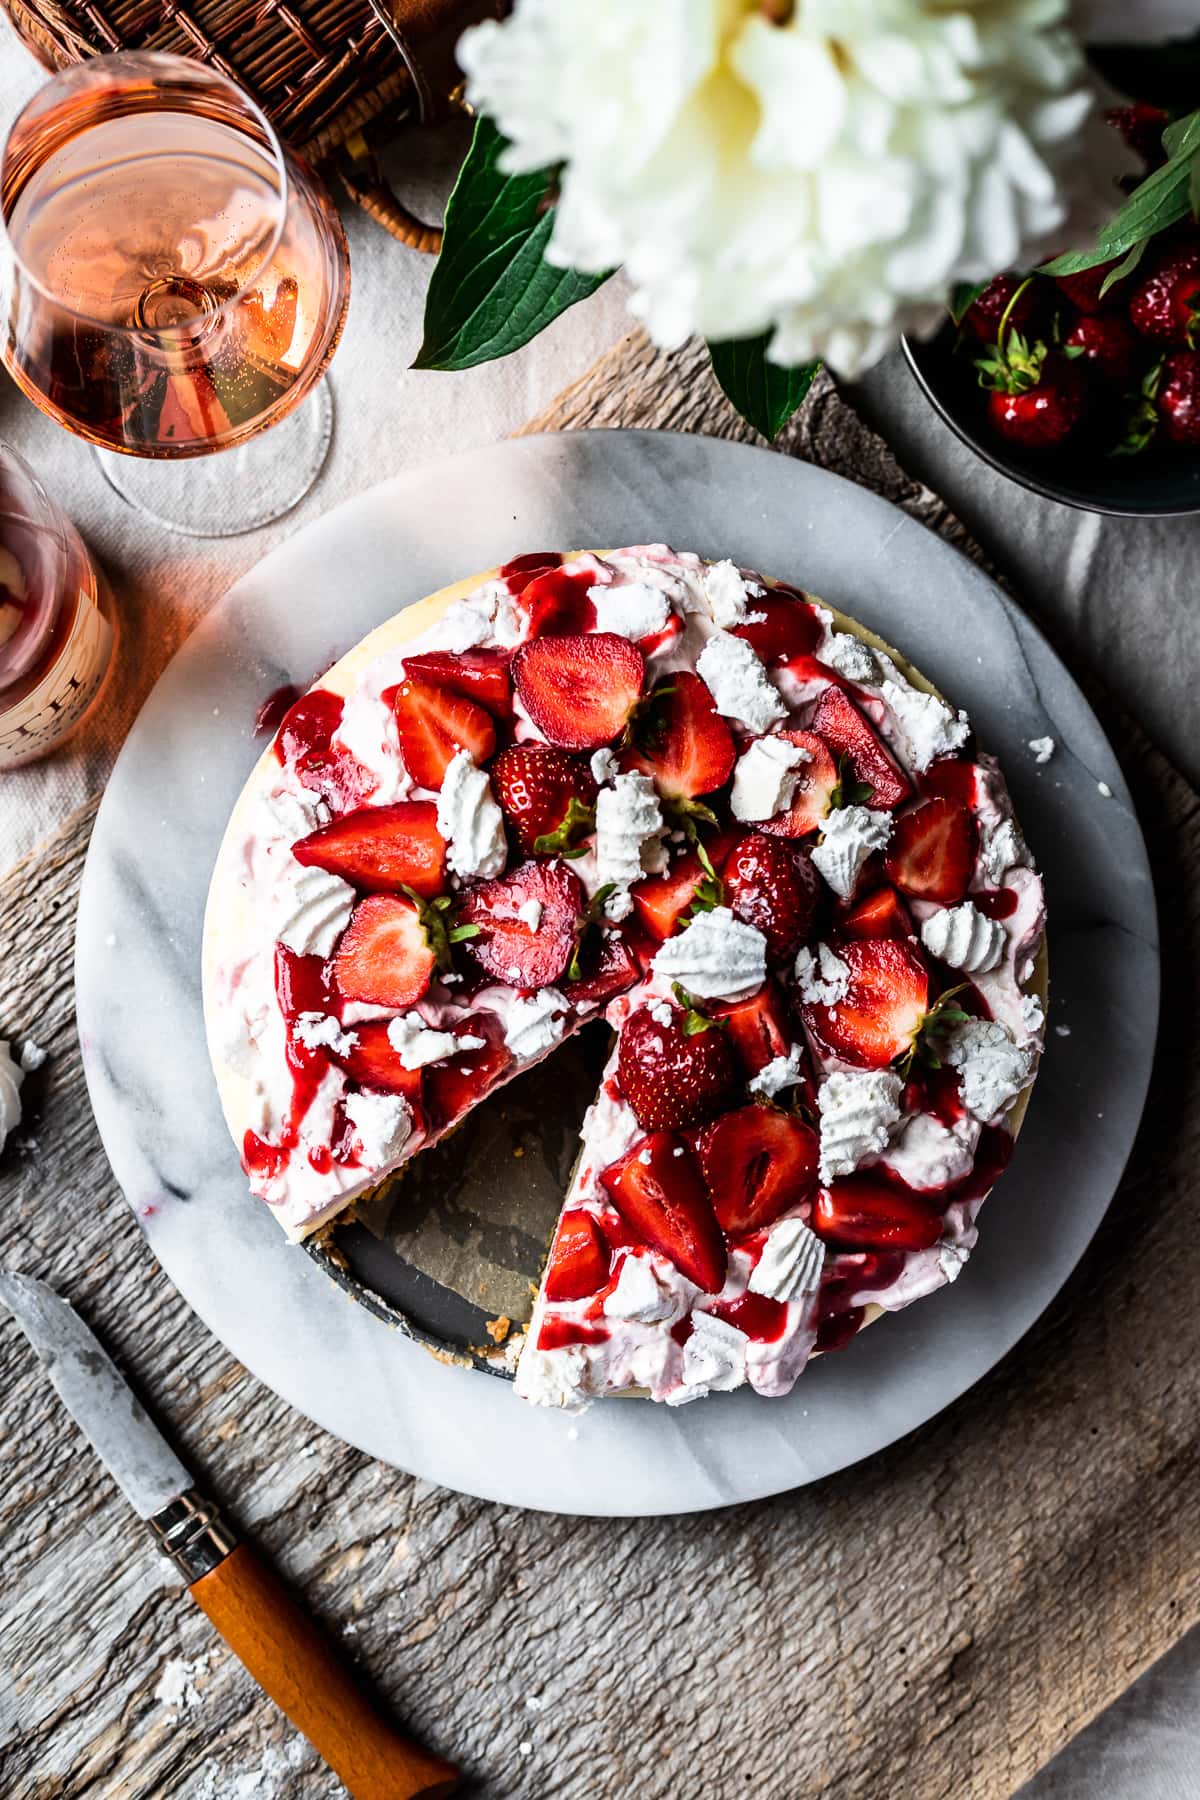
x=1081 y=379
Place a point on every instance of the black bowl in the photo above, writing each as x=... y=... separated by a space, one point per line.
x=1154 y=483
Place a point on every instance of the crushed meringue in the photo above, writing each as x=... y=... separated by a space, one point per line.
x=727 y=592
x=927 y=1154
x=851 y=658
x=992 y=1068
x=927 y=726
x=382 y=1125
x=469 y=819
x=532 y=1026
x=715 y=957
x=766 y=777
x=964 y=938
x=821 y=980
x=639 y=1294
x=630 y=609
x=1043 y=748
x=321 y=1031
x=791 y=1262
x=857 y=1112
x=848 y=837
x=417 y=1045
x=1004 y=849
x=629 y=834
x=714 y=1359
x=781 y=1072
x=604 y=767
x=738 y=683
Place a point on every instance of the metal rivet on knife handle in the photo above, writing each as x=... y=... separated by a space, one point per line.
x=193 y=1534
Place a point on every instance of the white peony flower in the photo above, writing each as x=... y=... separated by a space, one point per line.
x=825 y=169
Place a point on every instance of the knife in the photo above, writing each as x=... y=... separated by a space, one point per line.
x=244 y=1600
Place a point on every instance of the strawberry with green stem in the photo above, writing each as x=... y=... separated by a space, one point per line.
x=1035 y=393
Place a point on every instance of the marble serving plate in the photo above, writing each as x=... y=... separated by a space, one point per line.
x=142 y=1032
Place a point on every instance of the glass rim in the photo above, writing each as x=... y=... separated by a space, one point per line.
x=188 y=67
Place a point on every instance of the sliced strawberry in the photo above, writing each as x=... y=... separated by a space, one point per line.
x=608 y=967
x=932 y=851
x=681 y=739
x=954 y=778
x=433 y=724
x=462 y=1080
x=534 y=786
x=517 y=574
x=374 y=1063
x=886 y=998
x=304 y=742
x=384 y=955
x=579 y=691
x=757 y=1162
x=759 y=1029
x=381 y=848
x=839 y=722
x=671 y=1076
x=882 y=914
x=790 y=627
x=772 y=885
x=861 y=1212
x=509 y=947
x=661 y=901
x=480 y=675
x=579 y=1258
x=557 y=605
x=814 y=790
x=657 y=1190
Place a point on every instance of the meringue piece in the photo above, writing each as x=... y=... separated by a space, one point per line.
x=321 y=1031
x=781 y=1072
x=1004 y=849
x=791 y=1262
x=530 y=913
x=469 y=819
x=1043 y=748
x=604 y=767
x=417 y=1044
x=631 y=609
x=927 y=1154
x=849 y=835
x=855 y=660
x=857 y=1112
x=32 y=1057
x=766 y=778
x=291 y=816
x=726 y=593
x=927 y=726
x=964 y=938
x=629 y=836
x=992 y=1069
x=662 y=1012
x=822 y=979
x=1033 y=1015
x=639 y=1294
x=738 y=683
x=553 y=1377
x=714 y=1359
x=313 y=909
x=11 y=1077
x=382 y=1124
x=952 y=1259
x=715 y=957
x=532 y=1026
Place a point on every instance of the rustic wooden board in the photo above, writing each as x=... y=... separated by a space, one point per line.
x=935 y=1623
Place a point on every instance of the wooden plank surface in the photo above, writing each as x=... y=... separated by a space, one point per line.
x=935 y=1623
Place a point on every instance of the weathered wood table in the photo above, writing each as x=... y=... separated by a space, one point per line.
x=935 y=1623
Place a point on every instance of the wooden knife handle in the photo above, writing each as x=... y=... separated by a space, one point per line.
x=292 y=1661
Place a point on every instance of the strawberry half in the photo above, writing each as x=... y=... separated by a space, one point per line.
x=818 y=777
x=773 y=886
x=672 y=1076
x=480 y=675
x=535 y=787
x=374 y=1063
x=788 y=628
x=862 y=1212
x=434 y=723
x=839 y=722
x=657 y=1190
x=759 y=1029
x=932 y=851
x=608 y=967
x=579 y=691
x=881 y=915
x=506 y=945
x=886 y=999
x=381 y=848
x=579 y=1258
x=384 y=956
x=681 y=740
x=757 y=1162
x=459 y=1082
x=661 y=901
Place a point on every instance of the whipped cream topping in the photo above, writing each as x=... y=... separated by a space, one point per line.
x=629 y=834
x=821 y=978
x=738 y=683
x=313 y=910
x=992 y=1068
x=728 y=593
x=857 y=1112
x=791 y=1262
x=766 y=777
x=418 y=1044
x=715 y=957
x=964 y=938
x=780 y=1073
x=11 y=1076
x=927 y=726
x=631 y=609
x=469 y=819
x=927 y=1154
x=848 y=837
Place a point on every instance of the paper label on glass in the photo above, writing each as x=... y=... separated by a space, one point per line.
x=55 y=706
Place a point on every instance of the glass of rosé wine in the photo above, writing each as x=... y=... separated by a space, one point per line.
x=177 y=284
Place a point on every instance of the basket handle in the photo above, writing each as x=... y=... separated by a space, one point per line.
x=365 y=184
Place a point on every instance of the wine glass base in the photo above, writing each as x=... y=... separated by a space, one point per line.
x=233 y=490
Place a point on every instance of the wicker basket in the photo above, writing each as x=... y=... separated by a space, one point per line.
x=335 y=77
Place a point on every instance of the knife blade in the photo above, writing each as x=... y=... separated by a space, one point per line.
x=243 y=1599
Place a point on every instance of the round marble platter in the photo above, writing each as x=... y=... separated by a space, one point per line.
x=143 y=901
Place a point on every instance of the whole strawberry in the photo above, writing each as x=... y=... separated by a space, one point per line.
x=1107 y=345
x=1178 y=398
x=1083 y=289
x=774 y=886
x=544 y=794
x=988 y=308
x=1165 y=305
x=674 y=1074
x=1043 y=415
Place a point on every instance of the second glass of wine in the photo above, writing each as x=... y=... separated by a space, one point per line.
x=178 y=283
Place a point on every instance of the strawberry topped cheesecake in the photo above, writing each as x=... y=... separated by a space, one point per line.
x=721 y=817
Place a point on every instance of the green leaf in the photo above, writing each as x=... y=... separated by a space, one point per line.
x=764 y=392
x=1126 y=266
x=963 y=296
x=492 y=288
x=578 y=817
x=849 y=791
x=1157 y=202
